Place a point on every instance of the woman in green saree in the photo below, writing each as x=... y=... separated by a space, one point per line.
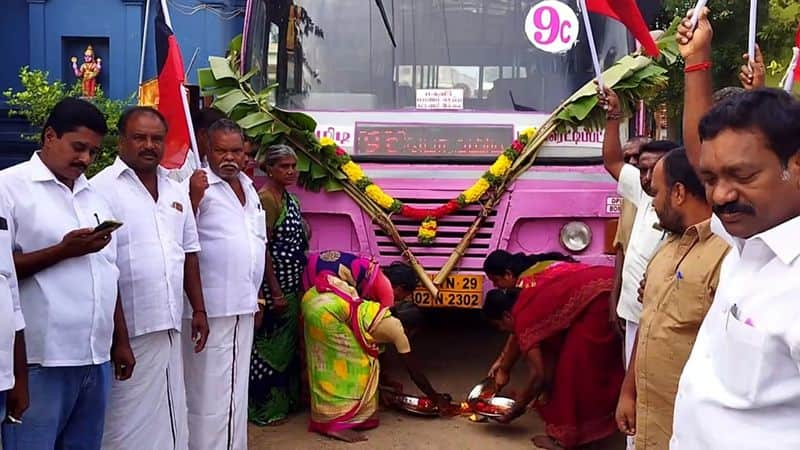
x=343 y=335
x=275 y=366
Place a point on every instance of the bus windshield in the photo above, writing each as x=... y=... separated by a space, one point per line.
x=337 y=55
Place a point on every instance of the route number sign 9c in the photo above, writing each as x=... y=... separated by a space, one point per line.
x=552 y=26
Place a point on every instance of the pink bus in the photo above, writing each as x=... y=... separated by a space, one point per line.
x=425 y=118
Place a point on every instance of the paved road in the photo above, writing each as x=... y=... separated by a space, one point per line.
x=456 y=351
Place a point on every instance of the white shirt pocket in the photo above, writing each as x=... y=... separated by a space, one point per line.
x=741 y=357
x=259 y=222
x=173 y=222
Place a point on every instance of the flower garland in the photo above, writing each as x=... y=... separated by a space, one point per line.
x=493 y=177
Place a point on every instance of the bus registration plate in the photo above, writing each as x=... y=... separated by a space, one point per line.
x=458 y=291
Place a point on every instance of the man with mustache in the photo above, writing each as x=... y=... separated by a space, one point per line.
x=233 y=234
x=201 y=120
x=682 y=278
x=740 y=388
x=158 y=262
x=67 y=287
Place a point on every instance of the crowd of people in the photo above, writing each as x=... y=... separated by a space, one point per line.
x=152 y=309
x=140 y=311
x=702 y=293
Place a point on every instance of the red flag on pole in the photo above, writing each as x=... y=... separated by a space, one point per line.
x=628 y=13
x=172 y=101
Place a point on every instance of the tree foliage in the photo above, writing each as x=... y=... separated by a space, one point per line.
x=38 y=97
x=777 y=21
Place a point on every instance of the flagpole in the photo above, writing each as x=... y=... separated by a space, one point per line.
x=144 y=41
x=751 y=32
x=698 y=8
x=590 y=36
x=184 y=100
x=195 y=155
x=788 y=82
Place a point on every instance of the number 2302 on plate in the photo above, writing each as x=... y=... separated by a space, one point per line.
x=458 y=291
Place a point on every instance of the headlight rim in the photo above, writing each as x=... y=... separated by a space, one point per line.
x=583 y=228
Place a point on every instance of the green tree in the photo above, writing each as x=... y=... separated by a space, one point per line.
x=730 y=20
x=776 y=37
x=38 y=97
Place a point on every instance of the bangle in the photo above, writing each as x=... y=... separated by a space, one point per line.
x=697 y=67
x=203 y=311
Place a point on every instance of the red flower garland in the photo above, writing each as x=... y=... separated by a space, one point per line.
x=451 y=206
x=423 y=213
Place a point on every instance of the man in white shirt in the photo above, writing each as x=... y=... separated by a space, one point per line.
x=68 y=285
x=13 y=360
x=233 y=233
x=740 y=388
x=634 y=186
x=158 y=261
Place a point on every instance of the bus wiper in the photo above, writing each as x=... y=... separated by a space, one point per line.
x=386 y=22
x=518 y=107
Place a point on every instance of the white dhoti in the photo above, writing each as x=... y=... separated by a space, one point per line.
x=217 y=382
x=148 y=411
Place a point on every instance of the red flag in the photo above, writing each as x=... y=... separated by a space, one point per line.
x=172 y=102
x=628 y=13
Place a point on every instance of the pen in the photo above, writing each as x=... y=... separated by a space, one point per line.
x=13 y=419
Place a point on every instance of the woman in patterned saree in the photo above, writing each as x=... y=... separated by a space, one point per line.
x=343 y=334
x=559 y=325
x=275 y=368
x=360 y=272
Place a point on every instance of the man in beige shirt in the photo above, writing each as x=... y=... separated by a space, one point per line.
x=680 y=284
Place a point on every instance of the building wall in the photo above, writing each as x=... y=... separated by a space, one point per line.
x=44 y=34
x=59 y=29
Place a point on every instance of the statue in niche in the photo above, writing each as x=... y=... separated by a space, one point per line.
x=88 y=71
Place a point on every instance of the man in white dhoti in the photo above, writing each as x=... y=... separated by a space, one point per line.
x=232 y=229
x=158 y=261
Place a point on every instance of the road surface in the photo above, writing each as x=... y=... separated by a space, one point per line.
x=456 y=350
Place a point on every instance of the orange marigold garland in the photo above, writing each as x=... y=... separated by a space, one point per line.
x=429 y=216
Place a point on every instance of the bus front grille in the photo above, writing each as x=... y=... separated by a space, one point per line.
x=451 y=229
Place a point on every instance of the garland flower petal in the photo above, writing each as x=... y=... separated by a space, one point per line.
x=353 y=171
x=500 y=166
x=381 y=198
x=427 y=231
x=476 y=191
x=528 y=134
x=325 y=141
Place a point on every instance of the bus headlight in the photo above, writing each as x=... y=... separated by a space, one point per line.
x=576 y=236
